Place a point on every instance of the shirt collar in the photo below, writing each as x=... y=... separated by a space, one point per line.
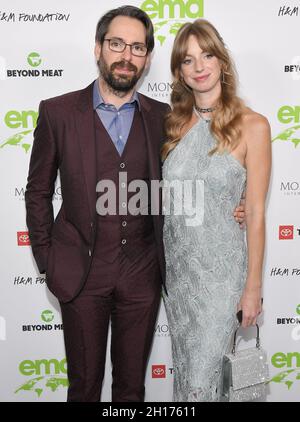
x=98 y=99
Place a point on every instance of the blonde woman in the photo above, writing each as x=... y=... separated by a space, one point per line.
x=215 y=140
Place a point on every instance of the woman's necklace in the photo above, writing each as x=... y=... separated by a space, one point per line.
x=198 y=113
x=204 y=110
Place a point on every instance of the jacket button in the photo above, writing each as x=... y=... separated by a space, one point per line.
x=90 y=252
x=122 y=165
x=123 y=241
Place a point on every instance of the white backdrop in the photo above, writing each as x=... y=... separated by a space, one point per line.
x=46 y=49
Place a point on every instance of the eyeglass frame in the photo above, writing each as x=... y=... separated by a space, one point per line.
x=125 y=45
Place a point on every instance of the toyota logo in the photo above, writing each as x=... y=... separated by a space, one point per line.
x=286 y=232
x=24 y=238
x=158 y=371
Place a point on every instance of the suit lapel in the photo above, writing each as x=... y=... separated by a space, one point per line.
x=86 y=139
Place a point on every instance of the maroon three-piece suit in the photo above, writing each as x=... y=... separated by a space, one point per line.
x=99 y=267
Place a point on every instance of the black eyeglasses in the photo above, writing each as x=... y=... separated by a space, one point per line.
x=118 y=45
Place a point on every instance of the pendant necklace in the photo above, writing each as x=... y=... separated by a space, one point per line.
x=198 y=112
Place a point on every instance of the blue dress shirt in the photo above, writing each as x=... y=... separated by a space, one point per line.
x=117 y=122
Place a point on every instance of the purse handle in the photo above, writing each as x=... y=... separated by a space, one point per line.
x=234 y=338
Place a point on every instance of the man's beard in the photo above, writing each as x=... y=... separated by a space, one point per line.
x=121 y=82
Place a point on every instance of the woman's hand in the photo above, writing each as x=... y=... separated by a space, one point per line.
x=251 y=306
x=239 y=212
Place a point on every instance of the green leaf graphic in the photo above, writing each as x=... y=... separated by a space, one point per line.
x=161 y=39
x=17 y=140
x=38 y=384
x=158 y=25
x=54 y=383
x=286 y=377
x=29 y=385
x=175 y=28
x=288 y=135
x=165 y=28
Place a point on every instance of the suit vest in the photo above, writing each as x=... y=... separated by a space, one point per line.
x=129 y=231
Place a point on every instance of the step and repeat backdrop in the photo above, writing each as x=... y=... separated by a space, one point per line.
x=46 y=49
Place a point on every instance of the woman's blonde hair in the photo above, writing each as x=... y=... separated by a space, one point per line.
x=226 y=121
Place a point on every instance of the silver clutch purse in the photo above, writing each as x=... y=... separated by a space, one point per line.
x=244 y=373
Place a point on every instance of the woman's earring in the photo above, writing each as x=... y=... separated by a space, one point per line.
x=223 y=77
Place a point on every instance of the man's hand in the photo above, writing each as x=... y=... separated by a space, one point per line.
x=239 y=213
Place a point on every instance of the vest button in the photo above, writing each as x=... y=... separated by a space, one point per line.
x=90 y=252
x=124 y=223
x=124 y=241
x=122 y=165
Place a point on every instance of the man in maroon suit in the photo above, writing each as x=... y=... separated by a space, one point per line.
x=101 y=267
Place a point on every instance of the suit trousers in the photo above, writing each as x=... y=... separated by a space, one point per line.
x=126 y=292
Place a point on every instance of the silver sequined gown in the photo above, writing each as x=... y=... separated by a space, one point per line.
x=206 y=264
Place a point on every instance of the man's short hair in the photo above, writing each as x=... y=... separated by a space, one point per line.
x=131 y=12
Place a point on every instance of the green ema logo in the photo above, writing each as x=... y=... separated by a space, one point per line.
x=169 y=15
x=49 y=374
x=47 y=316
x=20 y=119
x=34 y=59
x=289 y=115
x=289 y=376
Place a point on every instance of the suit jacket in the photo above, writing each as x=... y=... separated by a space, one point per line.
x=64 y=140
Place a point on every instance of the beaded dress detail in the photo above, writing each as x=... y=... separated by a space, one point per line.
x=206 y=263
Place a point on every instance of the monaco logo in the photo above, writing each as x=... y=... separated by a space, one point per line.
x=286 y=232
x=158 y=371
x=23 y=238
